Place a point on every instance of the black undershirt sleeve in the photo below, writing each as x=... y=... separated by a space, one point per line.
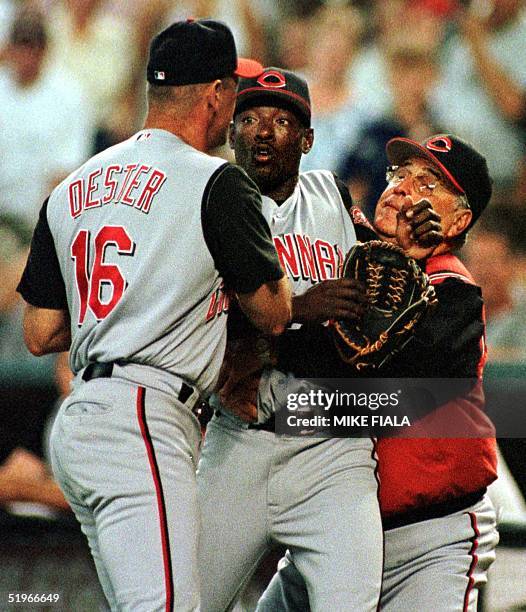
x=42 y=284
x=365 y=233
x=236 y=233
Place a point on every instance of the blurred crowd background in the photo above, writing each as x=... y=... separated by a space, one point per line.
x=72 y=83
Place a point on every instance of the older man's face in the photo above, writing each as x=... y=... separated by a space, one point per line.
x=417 y=178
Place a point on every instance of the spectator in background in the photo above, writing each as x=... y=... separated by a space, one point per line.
x=14 y=245
x=496 y=257
x=25 y=478
x=411 y=75
x=336 y=116
x=43 y=130
x=293 y=35
x=99 y=47
x=248 y=20
x=496 y=254
x=395 y=23
x=7 y=13
x=483 y=75
x=519 y=195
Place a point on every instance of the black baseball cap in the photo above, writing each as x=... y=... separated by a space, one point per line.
x=463 y=166
x=275 y=87
x=196 y=51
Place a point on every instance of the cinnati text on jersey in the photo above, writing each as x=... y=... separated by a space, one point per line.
x=134 y=185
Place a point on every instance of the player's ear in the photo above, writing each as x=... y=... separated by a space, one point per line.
x=231 y=134
x=214 y=93
x=460 y=223
x=307 y=140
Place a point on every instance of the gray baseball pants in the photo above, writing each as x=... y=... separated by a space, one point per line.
x=125 y=455
x=316 y=496
x=439 y=564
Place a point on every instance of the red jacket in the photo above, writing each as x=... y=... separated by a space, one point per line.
x=416 y=473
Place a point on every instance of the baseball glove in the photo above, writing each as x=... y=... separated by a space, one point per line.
x=398 y=293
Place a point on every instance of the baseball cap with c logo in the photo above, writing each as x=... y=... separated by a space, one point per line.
x=275 y=87
x=460 y=162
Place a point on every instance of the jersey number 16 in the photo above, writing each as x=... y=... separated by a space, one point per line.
x=90 y=283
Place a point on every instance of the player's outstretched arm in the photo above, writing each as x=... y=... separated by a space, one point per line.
x=239 y=239
x=46 y=330
x=268 y=307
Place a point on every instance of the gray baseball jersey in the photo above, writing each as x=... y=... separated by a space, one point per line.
x=313 y=230
x=132 y=235
x=137 y=245
x=318 y=497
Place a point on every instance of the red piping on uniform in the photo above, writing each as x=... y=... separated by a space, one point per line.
x=163 y=524
x=474 y=559
x=374 y=457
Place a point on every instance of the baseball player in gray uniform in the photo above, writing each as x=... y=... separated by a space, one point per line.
x=257 y=490
x=128 y=267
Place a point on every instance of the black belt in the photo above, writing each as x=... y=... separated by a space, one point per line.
x=97 y=370
x=269 y=425
x=105 y=370
x=433 y=511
